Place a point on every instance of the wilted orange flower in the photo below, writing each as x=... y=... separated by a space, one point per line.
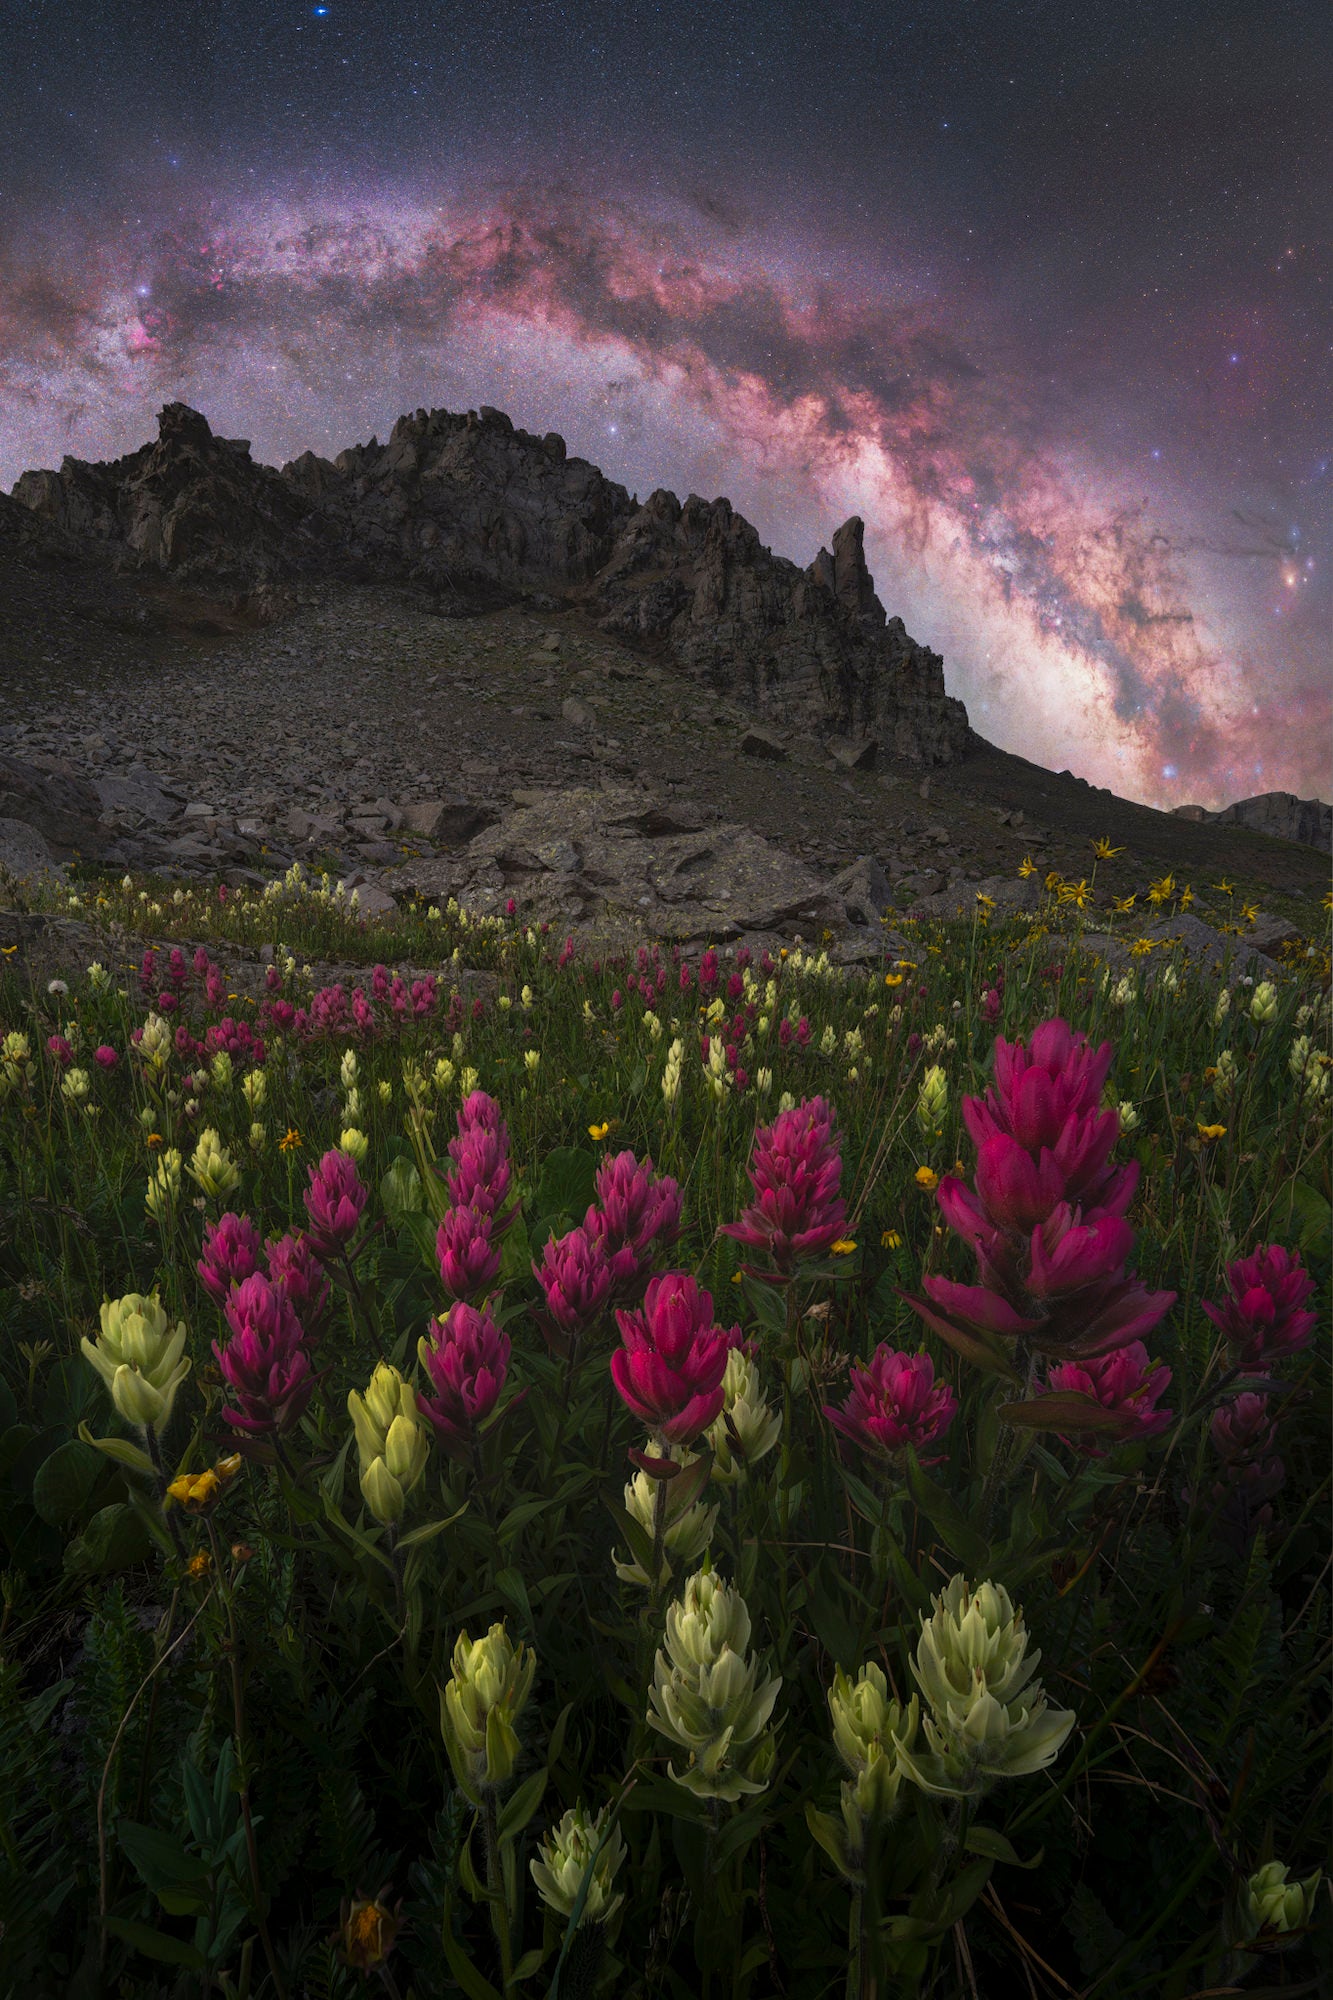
x=200 y=1563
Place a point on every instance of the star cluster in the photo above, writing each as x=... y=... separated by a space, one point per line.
x=1041 y=294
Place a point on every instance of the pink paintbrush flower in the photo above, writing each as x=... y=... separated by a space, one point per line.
x=264 y=1363
x=895 y=1401
x=795 y=1171
x=466 y=1356
x=230 y=1254
x=1124 y=1382
x=469 y=1258
x=334 y=1201
x=295 y=1270
x=1262 y=1315
x=576 y=1278
x=670 y=1366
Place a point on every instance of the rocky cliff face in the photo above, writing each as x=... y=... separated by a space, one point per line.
x=469 y=506
x=1280 y=814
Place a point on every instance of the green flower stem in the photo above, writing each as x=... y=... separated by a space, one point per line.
x=243 y=1760
x=396 y=1558
x=495 y=1882
x=168 y=1514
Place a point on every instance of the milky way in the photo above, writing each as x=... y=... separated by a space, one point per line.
x=1145 y=628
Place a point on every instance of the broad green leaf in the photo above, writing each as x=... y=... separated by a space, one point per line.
x=401 y=1191
x=465 y=1972
x=157 y=1944
x=988 y=1841
x=566 y=1187
x=114 y=1539
x=158 y=1858
x=947 y=1518
x=1063 y=1410
x=65 y=1480
x=430 y=1529
x=121 y=1450
x=521 y=1805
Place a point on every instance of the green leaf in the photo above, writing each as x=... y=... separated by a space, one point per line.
x=529 y=1963
x=988 y=1841
x=510 y=1584
x=114 y=1539
x=516 y=1254
x=401 y=1191
x=966 y=1887
x=158 y=1858
x=947 y=1518
x=640 y=1541
x=123 y=1452
x=430 y=1529
x=65 y=1480
x=521 y=1805
x=418 y=1232
x=465 y=1972
x=1311 y=1209
x=156 y=1944
x=566 y=1187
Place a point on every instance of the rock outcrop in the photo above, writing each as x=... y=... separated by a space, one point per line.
x=1280 y=814
x=191 y=503
x=470 y=507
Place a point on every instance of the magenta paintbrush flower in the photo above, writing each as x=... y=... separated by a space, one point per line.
x=481 y=1174
x=1125 y=1383
x=1262 y=1314
x=466 y=1356
x=1244 y=1436
x=670 y=1366
x=795 y=1170
x=895 y=1402
x=636 y=1212
x=264 y=1363
x=576 y=1277
x=295 y=1269
x=469 y=1258
x=334 y=1201
x=230 y=1254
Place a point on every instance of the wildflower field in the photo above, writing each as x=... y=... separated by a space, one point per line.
x=675 y=1474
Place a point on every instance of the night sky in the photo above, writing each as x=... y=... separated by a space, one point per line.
x=1042 y=291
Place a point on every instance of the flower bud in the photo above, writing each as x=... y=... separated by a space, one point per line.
x=164 y=1186
x=707 y=1697
x=482 y=1702
x=564 y=1858
x=747 y=1429
x=1270 y=1903
x=1263 y=1002
x=212 y=1167
x=392 y=1440
x=689 y=1524
x=354 y=1142
x=932 y=1101
x=140 y=1357
x=988 y=1717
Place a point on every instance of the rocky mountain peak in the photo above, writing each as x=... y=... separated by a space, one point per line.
x=471 y=507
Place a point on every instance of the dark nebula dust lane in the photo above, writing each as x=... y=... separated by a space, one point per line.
x=1082 y=397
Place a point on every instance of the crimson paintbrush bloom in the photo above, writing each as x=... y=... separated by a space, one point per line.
x=576 y=1278
x=670 y=1367
x=636 y=1212
x=1125 y=1382
x=1262 y=1316
x=469 y=1258
x=264 y=1363
x=795 y=1171
x=230 y=1254
x=334 y=1201
x=895 y=1401
x=466 y=1356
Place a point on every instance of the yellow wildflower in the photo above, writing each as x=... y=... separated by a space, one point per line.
x=599 y=1132
x=1027 y=866
x=1224 y=887
x=290 y=1142
x=927 y=1178
x=153 y=1139
x=890 y=1240
x=1053 y=880
x=1159 y=891
x=844 y=1246
x=1209 y=1133
x=1103 y=849
x=1076 y=892
x=1185 y=898
x=199 y=1565
x=893 y=979
x=987 y=902
x=1249 y=913
x=1141 y=947
x=195 y=1490
x=1123 y=905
